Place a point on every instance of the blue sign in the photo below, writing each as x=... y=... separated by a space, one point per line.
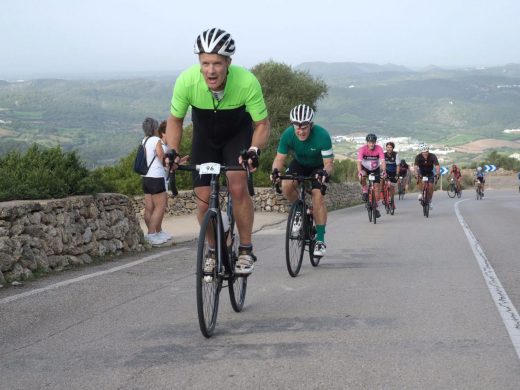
x=490 y=168
x=444 y=170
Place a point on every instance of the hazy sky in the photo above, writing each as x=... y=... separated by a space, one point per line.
x=72 y=36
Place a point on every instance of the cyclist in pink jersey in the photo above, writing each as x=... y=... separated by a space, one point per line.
x=371 y=159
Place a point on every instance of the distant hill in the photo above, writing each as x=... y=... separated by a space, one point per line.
x=102 y=118
x=433 y=104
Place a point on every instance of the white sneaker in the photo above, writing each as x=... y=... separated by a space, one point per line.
x=297 y=224
x=320 y=249
x=419 y=197
x=244 y=264
x=155 y=239
x=165 y=235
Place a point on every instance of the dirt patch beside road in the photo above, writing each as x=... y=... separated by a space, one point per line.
x=483 y=144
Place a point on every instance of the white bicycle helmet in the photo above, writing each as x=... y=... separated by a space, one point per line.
x=302 y=113
x=424 y=147
x=479 y=169
x=215 y=41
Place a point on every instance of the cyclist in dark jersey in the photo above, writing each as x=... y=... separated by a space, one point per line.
x=229 y=114
x=313 y=155
x=425 y=162
x=392 y=167
x=404 y=172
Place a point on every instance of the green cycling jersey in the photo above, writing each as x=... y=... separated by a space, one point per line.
x=219 y=117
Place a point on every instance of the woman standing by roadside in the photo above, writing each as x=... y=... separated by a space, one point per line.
x=154 y=184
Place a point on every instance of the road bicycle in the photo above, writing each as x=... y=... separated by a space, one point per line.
x=401 y=188
x=388 y=197
x=371 y=203
x=453 y=189
x=217 y=244
x=301 y=228
x=478 y=190
x=425 y=202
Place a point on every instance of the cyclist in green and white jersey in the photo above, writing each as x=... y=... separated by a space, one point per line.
x=229 y=114
x=313 y=156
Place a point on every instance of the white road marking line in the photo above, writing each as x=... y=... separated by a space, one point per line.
x=498 y=293
x=89 y=276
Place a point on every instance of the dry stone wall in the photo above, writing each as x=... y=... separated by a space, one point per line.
x=266 y=200
x=48 y=235
x=44 y=236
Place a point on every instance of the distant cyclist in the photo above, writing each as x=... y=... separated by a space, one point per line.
x=480 y=179
x=313 y=156
x=425 y=163
x=404 y=172
x=392 y=166
x=456 y=174
x=371 y=159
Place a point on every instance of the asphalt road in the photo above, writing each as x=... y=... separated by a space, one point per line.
x=408 y=303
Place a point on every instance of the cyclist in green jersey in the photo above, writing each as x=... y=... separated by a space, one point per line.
x=229 y=114
x=313 y=155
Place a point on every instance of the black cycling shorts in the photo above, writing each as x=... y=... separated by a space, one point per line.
x=376 y=172
x=154 y=185
x=296 y=168
x=226 y=153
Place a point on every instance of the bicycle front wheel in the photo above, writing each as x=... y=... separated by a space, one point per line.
x=373 y=205
x=295 y=238
x=209 y=283
x=237 y=284
x=392 y=205
x=451 y=190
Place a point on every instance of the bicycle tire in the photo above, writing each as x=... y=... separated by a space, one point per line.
x=400 y=190
x=386 y=196
x=295 y=244
x=315 y=260
x=425 y=202
x=451 y=190
x=374 y=205
x=368 y=205
x=237 y=285
x=208 y=286
x=392 y=205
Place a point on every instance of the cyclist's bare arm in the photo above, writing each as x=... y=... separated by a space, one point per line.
x=279 y=161
x=174 y=132
x=261 y=133
x=328 y=165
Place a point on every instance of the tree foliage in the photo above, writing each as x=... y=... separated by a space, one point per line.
x=41 y=174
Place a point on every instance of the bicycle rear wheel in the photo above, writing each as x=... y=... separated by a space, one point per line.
x=295 y=241
x=237 y=284
x=208 y=284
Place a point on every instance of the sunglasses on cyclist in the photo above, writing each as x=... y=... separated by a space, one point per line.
x=301 y=125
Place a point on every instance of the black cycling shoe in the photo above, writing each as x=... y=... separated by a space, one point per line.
x=377 y=213
x=365 y=197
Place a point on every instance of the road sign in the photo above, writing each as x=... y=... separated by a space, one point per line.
x=444 y=170
x=490 y=168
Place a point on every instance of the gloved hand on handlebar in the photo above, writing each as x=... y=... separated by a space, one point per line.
x=275 y=174
x=384 y=175
x=253 y=155
x=321 y=175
